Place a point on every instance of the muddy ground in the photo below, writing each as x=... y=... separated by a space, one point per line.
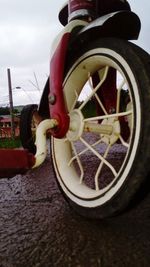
x=38 y=229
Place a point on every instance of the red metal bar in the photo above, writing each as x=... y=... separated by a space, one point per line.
x=15 y=161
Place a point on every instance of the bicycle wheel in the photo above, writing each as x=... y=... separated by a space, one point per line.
x=104 y=158
x=28 y=124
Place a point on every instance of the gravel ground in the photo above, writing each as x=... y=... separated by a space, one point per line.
x=38 y=229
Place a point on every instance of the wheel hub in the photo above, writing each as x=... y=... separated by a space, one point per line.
x=76 y=126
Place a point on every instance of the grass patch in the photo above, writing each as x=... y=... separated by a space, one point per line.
x=10 y=143
x=89 y=109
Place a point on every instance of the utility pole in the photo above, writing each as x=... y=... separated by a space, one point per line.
x=11 y=103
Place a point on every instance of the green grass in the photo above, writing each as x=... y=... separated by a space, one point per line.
x=89 y=110
x=10 y=143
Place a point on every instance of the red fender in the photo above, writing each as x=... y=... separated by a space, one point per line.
x=56 y=98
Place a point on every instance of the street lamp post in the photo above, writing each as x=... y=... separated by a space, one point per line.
x=11 y=103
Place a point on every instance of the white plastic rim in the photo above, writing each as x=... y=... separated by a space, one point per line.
x=67 y=176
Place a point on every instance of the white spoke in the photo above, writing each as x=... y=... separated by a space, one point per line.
x=79 y=163
x=121 y=114
x=99 y=156
x=118 y=101
x=95 y=89
x=75 y=101
x=101 y=105
x=100 y=168
x=123 y=142
x=83 y=151
x=96 y=96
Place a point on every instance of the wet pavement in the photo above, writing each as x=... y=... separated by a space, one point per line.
x=38 y=229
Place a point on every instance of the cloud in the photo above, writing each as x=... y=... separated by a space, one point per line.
x=22 y=46
x=27 y=30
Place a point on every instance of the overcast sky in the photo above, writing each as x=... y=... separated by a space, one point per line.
x=27 y=29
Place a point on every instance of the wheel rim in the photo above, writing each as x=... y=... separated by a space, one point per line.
x=94 y=160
